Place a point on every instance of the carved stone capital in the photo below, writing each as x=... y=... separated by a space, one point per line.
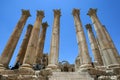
x=76 y=11
x=40 y=13
x=88 y=26
x=26 y=12
x=44 y=25
x=57 y=12
x=92 y=12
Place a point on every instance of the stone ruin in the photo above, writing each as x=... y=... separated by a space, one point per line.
x=33 y=64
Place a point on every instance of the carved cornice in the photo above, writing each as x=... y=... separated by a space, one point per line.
x=26 y=12
x=92 y=12
x=88 y=26
x=40 y=13
x=44 y=25
x=57 y=12
x=76 y=11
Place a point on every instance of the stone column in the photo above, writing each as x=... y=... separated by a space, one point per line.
x=108 y=52
x=54 y=49
x=111 y=42
x=86 y=60
x=40 y=45
x=100 y=51
x=32 y=45
x=95 y=50
x=13 y=40
x=23 y=47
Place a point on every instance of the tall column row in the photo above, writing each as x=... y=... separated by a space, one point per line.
x=24 y=44
x=13 y=40
x=94 y=46
x=40 y=45
x=32 y=45
x=31 y=50
x=107 y=51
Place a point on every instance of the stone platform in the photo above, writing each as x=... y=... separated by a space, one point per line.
x=70 y=76
x=91 y=74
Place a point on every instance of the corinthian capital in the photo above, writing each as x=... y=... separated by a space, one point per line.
x=92 y=12
x=57 y=12
x=40 y=13
x=76 y=11
x=88 y=26
x=44 y=25
x=26 y=12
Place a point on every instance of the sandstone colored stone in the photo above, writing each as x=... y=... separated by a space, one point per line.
x=85 y=58
x=13 y=40
x=54 y=48
x=23 y=47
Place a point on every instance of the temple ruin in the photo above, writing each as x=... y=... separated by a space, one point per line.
x=33 y=64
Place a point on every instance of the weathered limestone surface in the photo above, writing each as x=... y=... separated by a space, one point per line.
x=32 y=45
x=70 y=76
x=13 y=40
x=23 y=47
x=95 y=50
x=84 y=69
x=86 y=60
x=107 y=50
x=111 y=42
x=40 y=45
x=54 y=49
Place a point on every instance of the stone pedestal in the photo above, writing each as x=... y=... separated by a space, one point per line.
x=85 y=59
x=32 y=45
x=95 y=50
x=23 y=47
x=40 y=46
x=54 y=49
x=13 y=40
x=107 y=50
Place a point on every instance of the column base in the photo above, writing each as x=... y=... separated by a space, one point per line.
x=53 y=68
x=26 y=67
x=2 y=67
x=113 y=69
x=103 y=68
x=85 y=67
x=113 y=66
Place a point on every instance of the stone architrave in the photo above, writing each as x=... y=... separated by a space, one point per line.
x=96 y=53
x=85 y=58
x=13 y=40
x=107 y=50
x=23 y=47
x=54 y=49
x=32 y=45
x=41 y=42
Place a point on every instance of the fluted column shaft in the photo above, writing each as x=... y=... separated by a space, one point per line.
x=32 y=45
x=40 y=45
x=23 y=47
x=86 y=60
x=95 y=50
x=111 y=42
x=107 y=51
x=101 y=53
x=54 y=48
x=13 y=40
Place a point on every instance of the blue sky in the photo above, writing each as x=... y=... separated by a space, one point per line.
x=108 y=13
